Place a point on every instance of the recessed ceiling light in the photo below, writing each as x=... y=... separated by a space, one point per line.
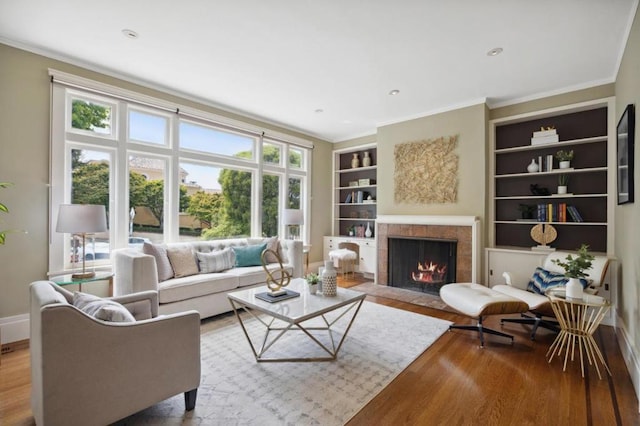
x=495 y=51
x=394 y=92
x=319 y=111
x=130 y=34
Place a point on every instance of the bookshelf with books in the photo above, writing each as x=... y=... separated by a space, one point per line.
x=523 y=195
x=355 y=190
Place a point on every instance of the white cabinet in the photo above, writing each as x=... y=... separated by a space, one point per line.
x=519 y=263
x=367 y=259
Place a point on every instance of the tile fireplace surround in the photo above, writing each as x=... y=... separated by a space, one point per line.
x=465 y=229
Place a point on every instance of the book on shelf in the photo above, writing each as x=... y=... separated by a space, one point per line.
x=549 y=212
x=547 y=132
x=348 y=199
x=575 y=215
x=359 y=197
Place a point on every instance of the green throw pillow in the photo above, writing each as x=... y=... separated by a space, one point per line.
x=249 y=255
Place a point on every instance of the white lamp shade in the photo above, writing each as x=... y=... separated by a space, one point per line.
x=81 y=218
x=293 y=217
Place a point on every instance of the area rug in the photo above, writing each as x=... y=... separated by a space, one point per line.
x=403 y=295
x=236 y=390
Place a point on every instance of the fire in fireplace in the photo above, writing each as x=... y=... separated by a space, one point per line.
x=421 y=264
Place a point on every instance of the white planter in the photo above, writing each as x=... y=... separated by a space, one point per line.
x=565 y=164
x=574 y=289
x=562 y=190
x=313 y=288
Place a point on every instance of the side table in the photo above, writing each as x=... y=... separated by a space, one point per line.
x=67 y=279
x=578 y=319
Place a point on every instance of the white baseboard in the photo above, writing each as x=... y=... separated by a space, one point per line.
x=630 y=357
x=15 y=328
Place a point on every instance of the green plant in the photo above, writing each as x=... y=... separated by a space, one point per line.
x=312 y=278
x=564 y=155
x=563 y=179
x=3 y=208
x=574 y=267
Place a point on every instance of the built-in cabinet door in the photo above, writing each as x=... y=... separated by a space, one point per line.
x=519 y=263
x=368 y=257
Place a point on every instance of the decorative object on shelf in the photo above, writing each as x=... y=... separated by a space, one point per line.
x=354 y=183
x=329 y=277
x=536 y=190
x=543 y=234
x=574 y=269
x=366 y=160
x=82 y=219
x=313 y=280
x=563 y=180
x=364 y=182
x=351 y=231
x=355 y=161
x=277 y=278
x=532 y=167
x=564 y=158
x=360 y=231
x=626 y=146
x=549 y=163
x=426 y=172
x=368 y=233
x=544 y=136
x=527 y=210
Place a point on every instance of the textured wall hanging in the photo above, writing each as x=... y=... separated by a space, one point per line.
x=426 y=172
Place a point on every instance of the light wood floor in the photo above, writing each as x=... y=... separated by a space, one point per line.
x=454 y=382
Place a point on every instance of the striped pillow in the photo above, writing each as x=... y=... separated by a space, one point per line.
x=216 y=261
x=102 y=309
x=543 y=280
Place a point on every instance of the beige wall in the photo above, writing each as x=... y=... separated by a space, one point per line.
x=627 y=216
x=24 y=161
x=470 y=126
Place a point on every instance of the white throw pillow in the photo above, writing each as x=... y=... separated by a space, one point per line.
x=216 y=261
x=102 y=309
x=159 y=251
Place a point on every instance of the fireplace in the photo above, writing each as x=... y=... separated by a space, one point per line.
x=463 y=229
x=421 y=264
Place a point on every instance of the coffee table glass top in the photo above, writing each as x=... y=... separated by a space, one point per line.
x=299 y=308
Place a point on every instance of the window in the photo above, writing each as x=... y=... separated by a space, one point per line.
x=165 y=176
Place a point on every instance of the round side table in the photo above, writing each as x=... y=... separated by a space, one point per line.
x=578 y=319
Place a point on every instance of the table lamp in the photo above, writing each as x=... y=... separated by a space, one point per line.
x=293 y=217
x=82 y=219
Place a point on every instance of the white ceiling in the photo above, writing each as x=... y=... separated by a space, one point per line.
x=281 y=60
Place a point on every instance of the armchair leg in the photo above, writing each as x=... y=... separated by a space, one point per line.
x=536 y=322
x=190 y=399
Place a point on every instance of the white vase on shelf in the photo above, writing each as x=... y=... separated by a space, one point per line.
x=533 y=167
x=355 y=161
x=368 y=233
x=366 y=160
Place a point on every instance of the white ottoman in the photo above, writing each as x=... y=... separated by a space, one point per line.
x=478 y=301
x=346 y=260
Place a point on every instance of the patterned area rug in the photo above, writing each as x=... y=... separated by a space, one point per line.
x=236 y=390
x=404 y=295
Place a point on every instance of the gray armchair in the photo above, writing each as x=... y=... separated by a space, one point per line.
x=91 y=372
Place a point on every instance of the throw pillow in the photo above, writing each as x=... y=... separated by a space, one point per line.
x=542 y=280
x=249 y=255
x=102 y=309
x=272 y=244
x=216 y=261
x=165 y=271
x=182 y=260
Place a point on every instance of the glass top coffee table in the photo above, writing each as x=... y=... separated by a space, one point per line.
x=324 y=320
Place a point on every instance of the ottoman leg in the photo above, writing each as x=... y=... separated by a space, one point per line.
x=481 y=329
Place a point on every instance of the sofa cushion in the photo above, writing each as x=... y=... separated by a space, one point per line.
x=272 y=244
x=182 y=260
x=249 y=255
x=216 y=261
x=542 y=280
x=102 y=309
x=159 y=252
x=177 y=289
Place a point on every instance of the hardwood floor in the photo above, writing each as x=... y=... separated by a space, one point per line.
x=454 y=382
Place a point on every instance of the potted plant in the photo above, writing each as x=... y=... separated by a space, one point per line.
x=351 y=231
x=574 y=269
x=563 y=181
x=564 y=157
x=313 y=280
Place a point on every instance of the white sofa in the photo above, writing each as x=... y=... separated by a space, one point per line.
x=204 y=292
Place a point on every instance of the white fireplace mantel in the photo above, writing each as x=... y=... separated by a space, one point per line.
x=471 y=221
